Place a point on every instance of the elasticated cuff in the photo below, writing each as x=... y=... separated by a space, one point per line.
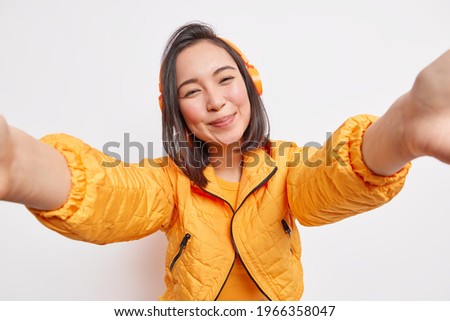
x=71 y=148
x=356 y=158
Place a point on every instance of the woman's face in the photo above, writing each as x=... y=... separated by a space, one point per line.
x=212 y=95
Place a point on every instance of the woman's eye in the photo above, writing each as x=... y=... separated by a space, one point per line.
x=226 y=79
x=190 y=92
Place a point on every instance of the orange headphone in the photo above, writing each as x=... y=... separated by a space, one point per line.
x=253 y=72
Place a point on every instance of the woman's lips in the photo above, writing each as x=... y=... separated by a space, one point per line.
x=223 y=122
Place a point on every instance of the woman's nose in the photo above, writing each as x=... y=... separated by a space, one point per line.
x=215 y=100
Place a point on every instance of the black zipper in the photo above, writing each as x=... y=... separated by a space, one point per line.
x=234 y=261
x=288 y=231
x=183 y=244
x=286 y=227
x=231 y=231
x=229 y=272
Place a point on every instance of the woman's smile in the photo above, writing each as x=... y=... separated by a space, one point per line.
x=223 y=122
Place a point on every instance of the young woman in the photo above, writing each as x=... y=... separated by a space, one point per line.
x=227 y=196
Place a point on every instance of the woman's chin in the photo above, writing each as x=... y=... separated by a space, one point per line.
x=230 y=142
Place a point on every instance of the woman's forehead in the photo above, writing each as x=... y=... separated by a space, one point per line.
x=202 y=57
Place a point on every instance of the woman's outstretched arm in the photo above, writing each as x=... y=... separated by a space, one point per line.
x=31 y=172
x=417 y=124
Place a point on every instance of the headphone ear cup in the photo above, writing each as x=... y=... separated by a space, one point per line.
x=160 y=100
x=160 y=97
x=254 y=74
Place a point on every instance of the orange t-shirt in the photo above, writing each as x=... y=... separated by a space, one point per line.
x=239 y=286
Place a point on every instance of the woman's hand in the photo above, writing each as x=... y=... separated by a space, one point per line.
x=417 y=124
x=5 y=157
x=31 y=172
x=427 y=116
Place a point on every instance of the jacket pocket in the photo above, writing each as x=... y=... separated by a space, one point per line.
x=288 y=231
x=183 y=244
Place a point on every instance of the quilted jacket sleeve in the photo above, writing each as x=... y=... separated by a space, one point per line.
x=109 y=201
x=333 y=182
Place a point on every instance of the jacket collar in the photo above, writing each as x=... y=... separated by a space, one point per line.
x=258 y=168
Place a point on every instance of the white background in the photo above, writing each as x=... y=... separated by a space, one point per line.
x=90 y=69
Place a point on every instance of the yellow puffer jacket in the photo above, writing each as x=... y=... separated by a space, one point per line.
x=112 y=201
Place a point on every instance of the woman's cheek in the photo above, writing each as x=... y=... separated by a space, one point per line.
x=191 y=113
x=239 y=94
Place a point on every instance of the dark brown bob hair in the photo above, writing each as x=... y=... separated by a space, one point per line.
x=188 y=152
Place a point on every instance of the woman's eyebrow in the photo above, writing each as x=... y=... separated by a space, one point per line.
x=215 y=73
x=219 y=70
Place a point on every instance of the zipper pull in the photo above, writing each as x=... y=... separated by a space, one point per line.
x=286 y=227
x=185 y=240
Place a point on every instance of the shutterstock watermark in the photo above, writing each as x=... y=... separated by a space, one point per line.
x=300 y=156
